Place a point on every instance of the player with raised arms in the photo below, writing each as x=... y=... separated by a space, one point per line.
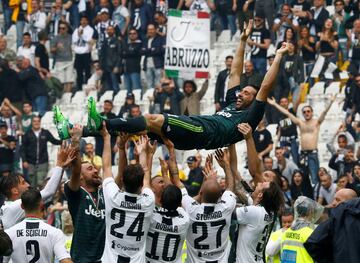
x=128 y=211
x=170 y=222
x=195 y=132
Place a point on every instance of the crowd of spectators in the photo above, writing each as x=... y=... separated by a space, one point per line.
x=67 y=46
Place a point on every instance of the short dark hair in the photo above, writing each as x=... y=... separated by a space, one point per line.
x=171 y=198
x=108 y=101
x=307 y=106
x=42 y=35
x=229 y=56
x=7 y=183
x=31 y=199
x=134 y=106
x=192 y=83
x=342 y=1
x=342 y=136
x=273 y=198
x=27 y=102
x=26 y=34
x=133 y=178
x=287 y=212
x=278 y=148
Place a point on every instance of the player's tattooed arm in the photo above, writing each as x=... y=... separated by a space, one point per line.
x=223 y=159
x=75 y=134
x=173 y=169
x=121 y=142
x=255 y=166
x=141 y=146
x=106 y=155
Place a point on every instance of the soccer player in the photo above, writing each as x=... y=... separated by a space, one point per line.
x=210 y=216
x=196 y=132
x=86 y=206
x=14 y=185
x=127 y=212
x=256 y=222
x=33 y=240
x=169 y=223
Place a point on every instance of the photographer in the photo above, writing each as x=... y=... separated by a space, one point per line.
x=283 y=21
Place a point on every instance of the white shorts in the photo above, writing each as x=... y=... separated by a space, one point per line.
x=64 y=71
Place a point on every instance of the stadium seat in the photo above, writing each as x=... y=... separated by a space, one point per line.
x=108 y=95
x=317 y=89
x=79 y=98
x=333 y=88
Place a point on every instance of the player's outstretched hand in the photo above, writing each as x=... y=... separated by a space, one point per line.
x=76 y=132
x=140 y=144
x=271 y=101
x=245 y=129
x=121 y=140
x=151 y=147
x=283 y=50
x=66 y=155
x=222 y=157
x=209 y=171
x=104 y=132
x=247 y=30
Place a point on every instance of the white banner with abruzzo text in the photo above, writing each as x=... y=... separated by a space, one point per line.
x=187 y=52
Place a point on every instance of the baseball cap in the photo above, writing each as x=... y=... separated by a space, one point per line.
x=104 y=10
x=191 y=159
x=130 y=95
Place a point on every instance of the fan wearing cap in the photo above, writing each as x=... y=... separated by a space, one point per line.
x=100 y=28
x=7 y=147
x=126 y=107
x=195 y=176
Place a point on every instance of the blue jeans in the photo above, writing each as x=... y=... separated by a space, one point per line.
x=260 y=65
x=311 y=162
x=75 y=16
x=7 y=17
x=293 y=144
x=153 y=76
x=226 y=22
x=132 y=81
x=20 y=25
x=40 y=105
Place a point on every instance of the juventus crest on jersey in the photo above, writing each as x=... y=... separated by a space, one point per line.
x=207 y=238
x=35 y=241
x=127 y=223
x=166 y=236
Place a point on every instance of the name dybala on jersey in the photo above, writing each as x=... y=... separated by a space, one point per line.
x=166 y=235
x=207 y=238
x=35 y=241
x=127 y=219
x=255 y=226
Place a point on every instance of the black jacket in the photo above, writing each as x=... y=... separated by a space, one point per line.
x=34 y=150
x=340 y=166
x=337 y=239
x=33 y=84
x=156 y=51
x=320 y=20
x=132 y=56
x=9 y=78
x=220 y=86
x=110 y=54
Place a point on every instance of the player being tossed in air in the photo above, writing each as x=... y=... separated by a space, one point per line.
x=195 y=132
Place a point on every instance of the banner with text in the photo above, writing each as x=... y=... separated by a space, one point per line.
x=187 y=52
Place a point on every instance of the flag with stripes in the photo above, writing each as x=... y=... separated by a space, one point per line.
x=187 y=52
